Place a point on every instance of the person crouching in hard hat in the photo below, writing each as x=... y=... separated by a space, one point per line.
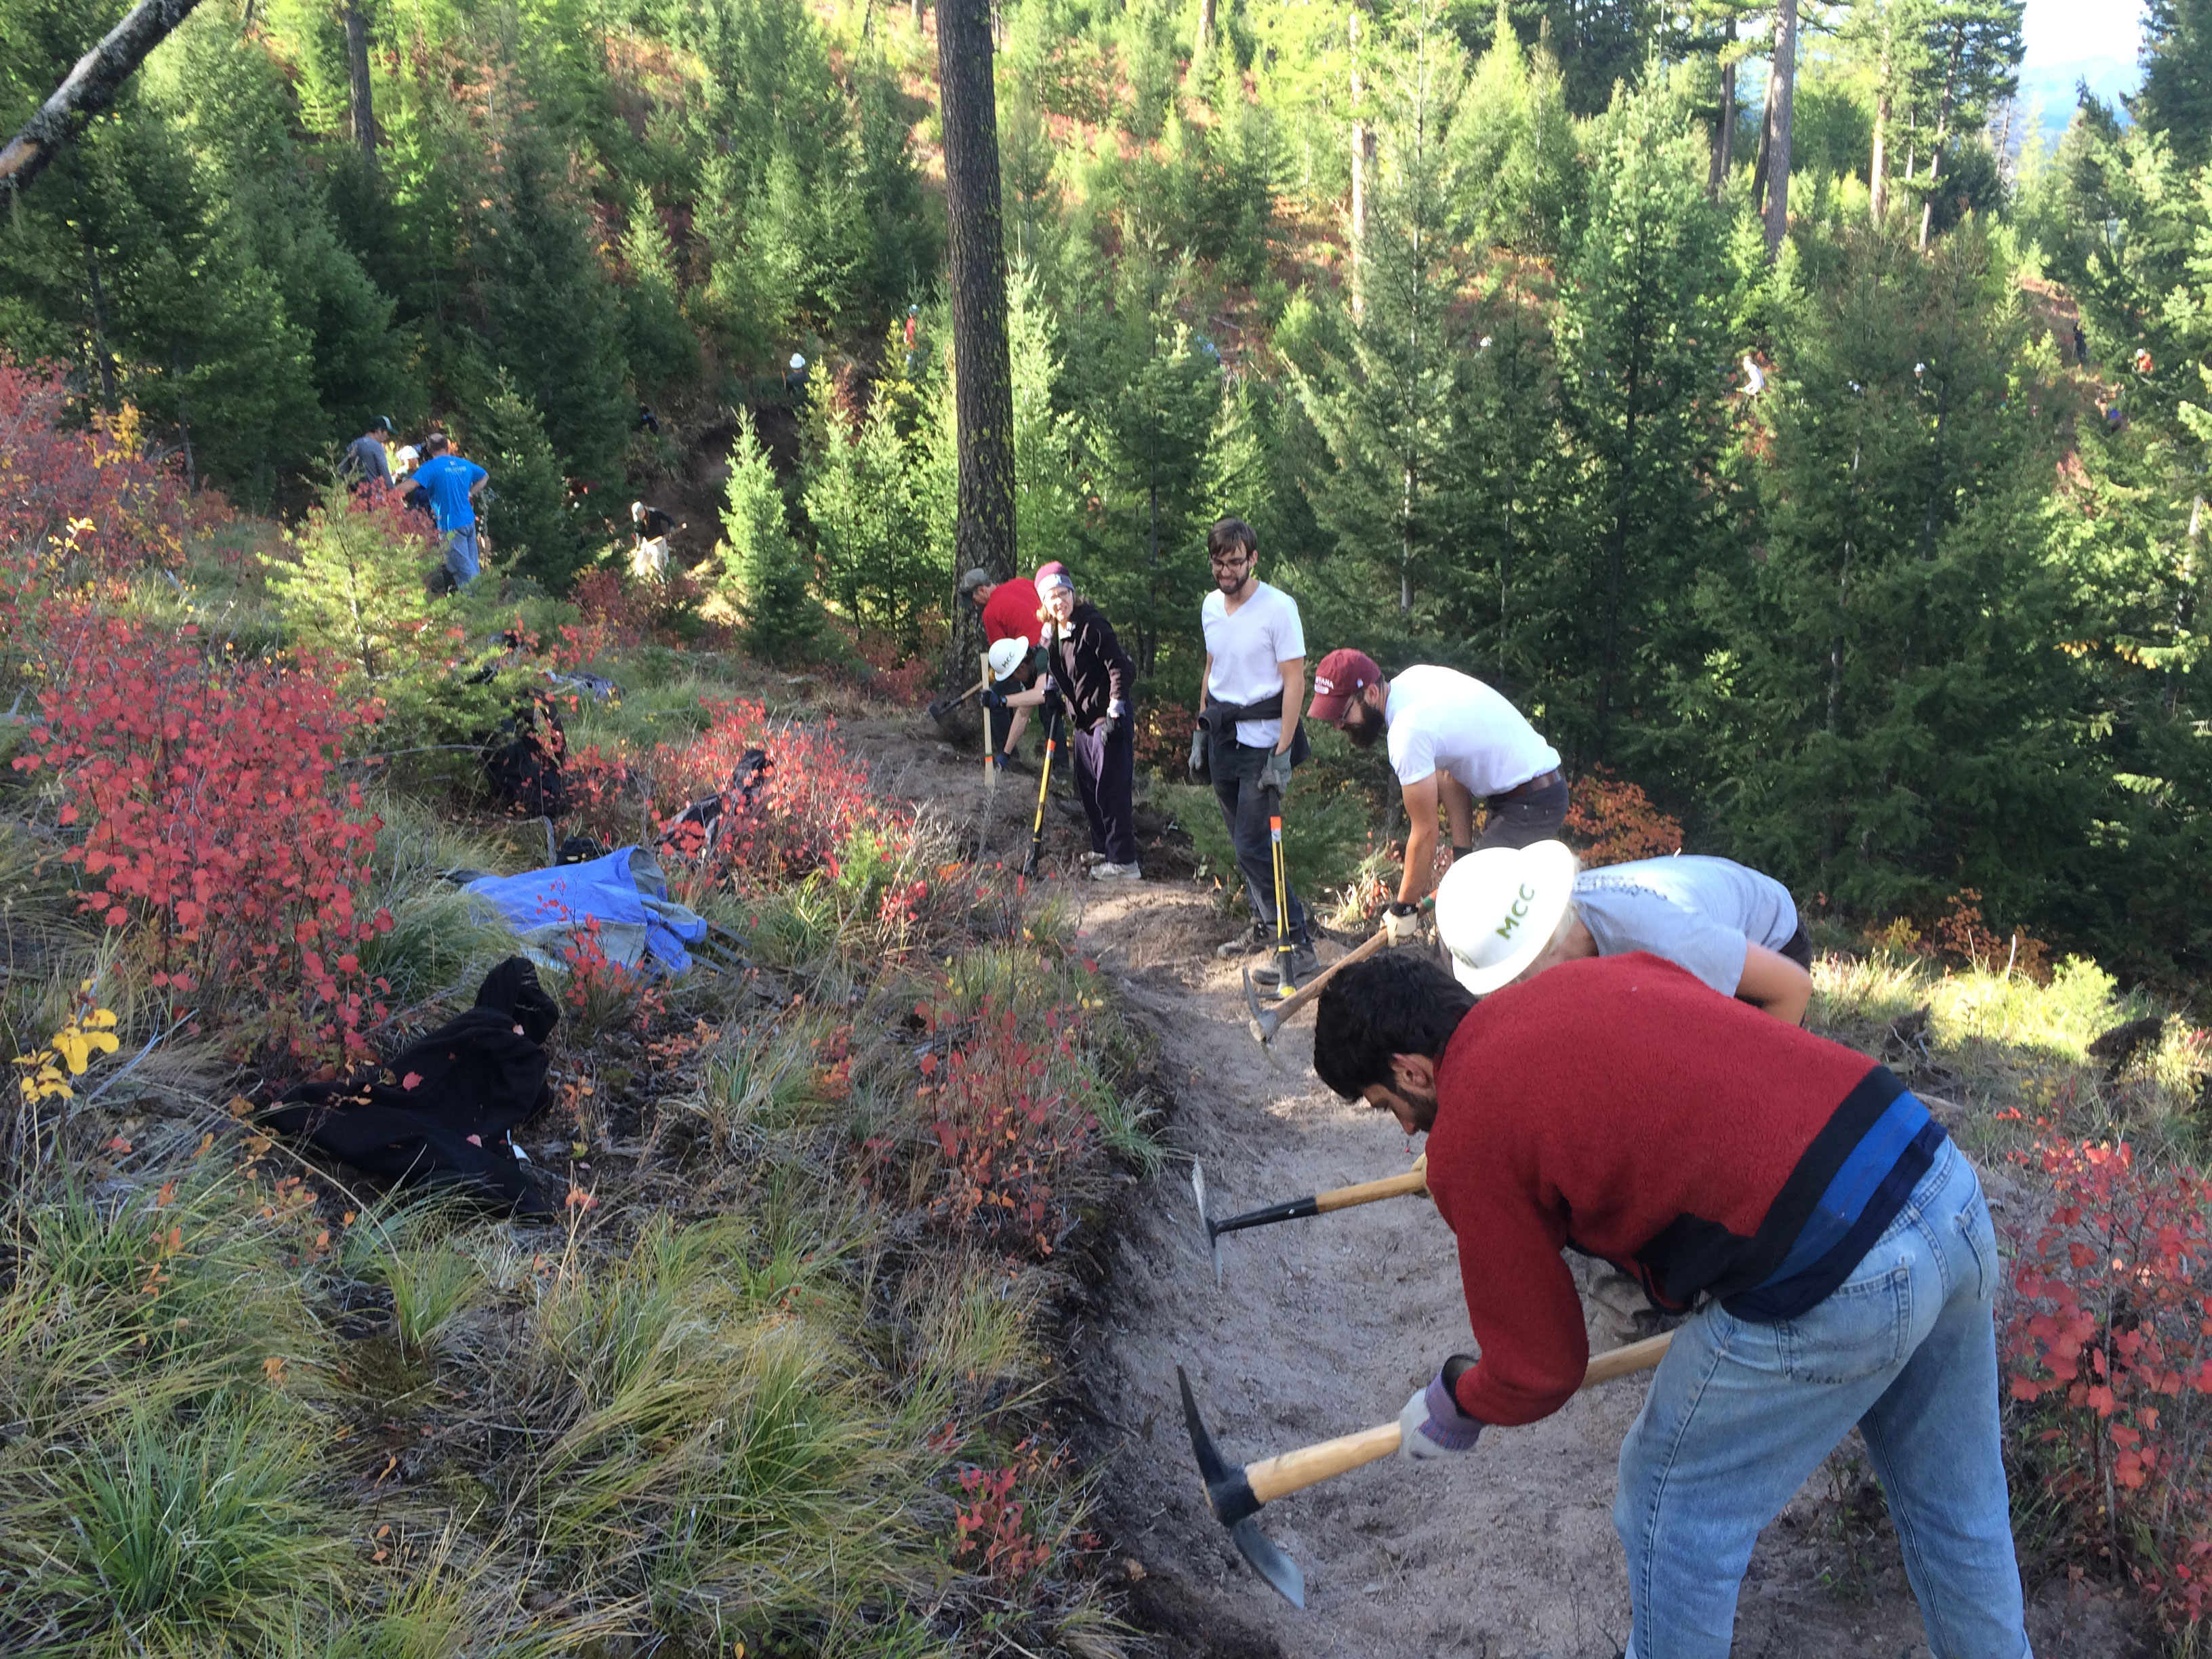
x=1735 y=929
x=1453 y=740
x=1089 y=676
x=1010 y=609
x=1834 y=1241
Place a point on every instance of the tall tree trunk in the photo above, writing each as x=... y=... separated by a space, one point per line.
x=1205 y=26
x=1359 y=153
x=99 y=352
x=1878 y=174
x=1777 y=159
x=1616 y=557
x=364 y=108
x=1942 y=131
x=1724 y=134
x=88 y=89
x=983 y=387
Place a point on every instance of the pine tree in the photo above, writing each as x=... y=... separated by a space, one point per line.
x=1883 y=692
x=355 y=589
x=529 y=517
x=763 y=569
x=2175 y=96
x=1384 y=402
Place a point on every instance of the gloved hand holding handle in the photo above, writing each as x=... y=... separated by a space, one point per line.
x=1275 y=772
x=1432 y=1426
x=1401 y=924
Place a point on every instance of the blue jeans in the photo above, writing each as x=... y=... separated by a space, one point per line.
x=1740 y=1413
x=461 y=553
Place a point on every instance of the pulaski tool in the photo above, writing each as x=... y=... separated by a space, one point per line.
x=1234 y=1493
x=1414 y=1183
x=1265 y=1022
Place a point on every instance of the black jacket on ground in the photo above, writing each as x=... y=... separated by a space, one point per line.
x=1088 y=666
x=478 y=1076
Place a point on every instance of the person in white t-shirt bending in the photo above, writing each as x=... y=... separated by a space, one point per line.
x=1247 y=738
x=1453 y=740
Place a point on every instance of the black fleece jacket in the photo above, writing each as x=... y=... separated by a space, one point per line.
x=1088 y=666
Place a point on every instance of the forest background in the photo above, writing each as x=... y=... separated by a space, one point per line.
x=1865 y=534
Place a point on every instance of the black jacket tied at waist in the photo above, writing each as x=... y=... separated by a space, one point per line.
x=1220 y=721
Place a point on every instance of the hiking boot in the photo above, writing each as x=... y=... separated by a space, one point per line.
x=1304 y=965
x=1254 y=937
x=1105 y=869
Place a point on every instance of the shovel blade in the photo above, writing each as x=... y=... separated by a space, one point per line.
x=1265 y=1557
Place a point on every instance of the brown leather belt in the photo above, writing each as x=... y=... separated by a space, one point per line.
x=1542 y=781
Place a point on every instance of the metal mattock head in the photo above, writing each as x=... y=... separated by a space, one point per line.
x=1228 y=1495
x=1213 y=1238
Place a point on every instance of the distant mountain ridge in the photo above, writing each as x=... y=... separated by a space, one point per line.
x=2053 y=86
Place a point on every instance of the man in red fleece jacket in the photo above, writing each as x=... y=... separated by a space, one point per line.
x=1835 y=1243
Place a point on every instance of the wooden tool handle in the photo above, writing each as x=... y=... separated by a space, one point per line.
x=1294 y=1471
x=1312 y=988
x=1410 y=1184
x=1619 y=1362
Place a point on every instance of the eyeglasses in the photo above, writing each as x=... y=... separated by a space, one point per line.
x=1229 y=561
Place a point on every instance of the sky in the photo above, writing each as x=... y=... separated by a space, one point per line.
x=2072 y=41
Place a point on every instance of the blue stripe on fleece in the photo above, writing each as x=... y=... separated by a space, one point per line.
x=1853 y=1185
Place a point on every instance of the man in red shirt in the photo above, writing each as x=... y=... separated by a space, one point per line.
x=1011 y=610
x=1835 y=1244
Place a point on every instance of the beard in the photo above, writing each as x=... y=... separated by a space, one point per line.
x=1363 y=725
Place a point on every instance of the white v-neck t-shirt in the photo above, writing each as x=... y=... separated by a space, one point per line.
x=1248 y=649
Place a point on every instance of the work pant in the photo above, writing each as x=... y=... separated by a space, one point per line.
x=1236 y=787
x=1106 y=783
x=1524 y=820
x=1740 y=1413
x=461 y=554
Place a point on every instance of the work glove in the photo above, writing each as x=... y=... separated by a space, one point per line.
x=1432 y=1425
x=1115 y=713
x=1051 y=698
x=1401 y=925
x=1198 y=756
x=1275 y=772
x=993 y=698
x=1107 y=726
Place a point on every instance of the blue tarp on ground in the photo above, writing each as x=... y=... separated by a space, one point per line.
x=625 y=892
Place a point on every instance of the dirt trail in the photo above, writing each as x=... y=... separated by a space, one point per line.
x=1325 y=1325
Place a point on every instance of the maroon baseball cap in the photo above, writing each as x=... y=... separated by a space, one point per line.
x=1342 y=675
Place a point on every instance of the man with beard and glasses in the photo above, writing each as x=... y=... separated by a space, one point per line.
x=1249 y=736
x=1453 y=739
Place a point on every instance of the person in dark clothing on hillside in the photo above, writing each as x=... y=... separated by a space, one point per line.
x=1089 y=675
x=1835 y=1243
x=365 y=465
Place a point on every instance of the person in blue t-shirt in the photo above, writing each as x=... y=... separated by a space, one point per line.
x=451 y=483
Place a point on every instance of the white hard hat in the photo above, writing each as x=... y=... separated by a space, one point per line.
x=798 y=361
x=1498 y=909
x=1006 y=656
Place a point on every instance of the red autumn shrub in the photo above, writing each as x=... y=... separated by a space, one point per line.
x=2110 y=1343
x=1162 y=739
x=815 y=795
x=1009 y=1133
x=991 y=1532
x=87 y=501
x=1612 y=821
x=204 y=792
